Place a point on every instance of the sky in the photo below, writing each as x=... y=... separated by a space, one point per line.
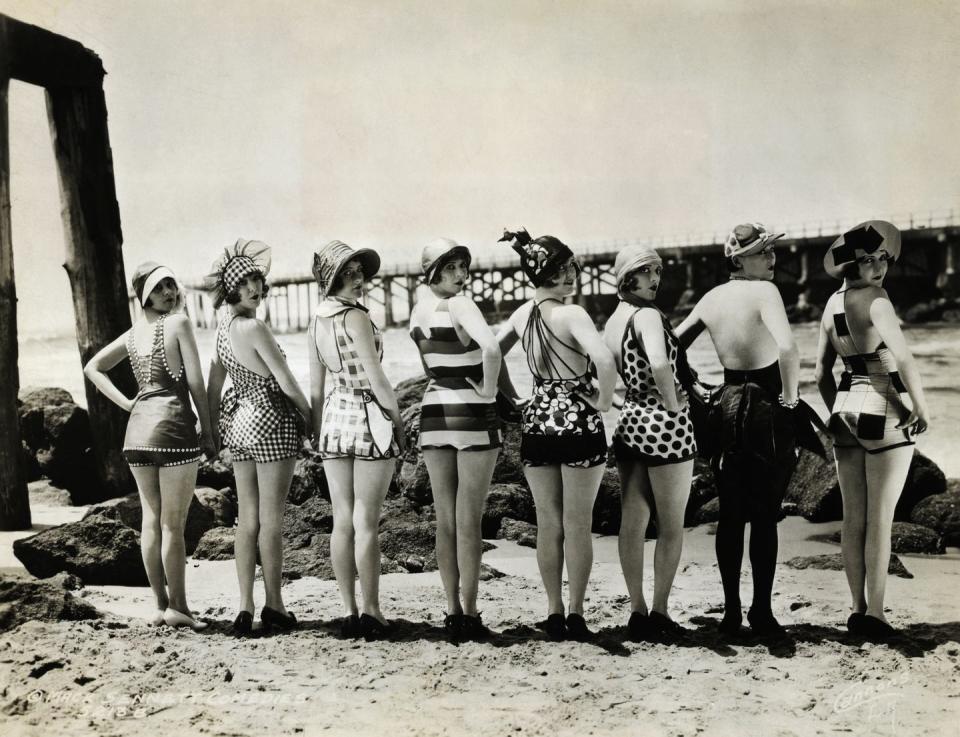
x=387 y=123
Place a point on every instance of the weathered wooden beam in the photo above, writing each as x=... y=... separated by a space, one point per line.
x=47 y=59
x=14 y=500
x=94 y=263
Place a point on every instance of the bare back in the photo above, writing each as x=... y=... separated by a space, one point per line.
x=731 y=313
x=558 y=354
x=855 y=305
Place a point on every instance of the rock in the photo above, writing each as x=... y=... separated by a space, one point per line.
x=45 y=493
x=28 y=463
x=415 y=482
x=907 y=537
x=314 y=516
x=789 y=509
x=222 y=504
x=126 y=509
x=924 y=312
x=488 y=572
x=310 y=560
x=406 y=533
x=99 y=550
x=388 y=565
x=308 y=479
x=702 y=489
x=506 y=500
x=216 y=544
x=606 y=509
x=409 y=392
x=411 y=427
x=57 y=433
x=834 y=562
x=509 y=468
x=39 y=601
x=923 y=479
x=66 y=581
x=709 y=512
x=941 y=512
x=813 y=486
x=218 y=473
x=522 y=533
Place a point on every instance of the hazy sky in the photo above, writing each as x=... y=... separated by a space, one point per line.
x=388 y=123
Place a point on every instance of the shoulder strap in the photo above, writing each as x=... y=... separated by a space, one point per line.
x=541 y=337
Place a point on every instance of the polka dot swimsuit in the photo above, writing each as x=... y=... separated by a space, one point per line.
x=646 y=430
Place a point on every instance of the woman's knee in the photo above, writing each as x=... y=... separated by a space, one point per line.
x=248 y=527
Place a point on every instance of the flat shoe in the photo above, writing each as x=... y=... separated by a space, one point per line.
x=855 y=623
x=876 y=629
x=453 y=625
x=272 y=618
x=638 y=626
x=372 y=628
x=577 y=628
x=555 y=626
x=350 y=626
x=730 y=624
x=173 y=618
x=662 y=625
x=473 y=627
x=764 y=624
x=243 y=624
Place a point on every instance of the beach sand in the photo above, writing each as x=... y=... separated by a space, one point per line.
x=121 y=676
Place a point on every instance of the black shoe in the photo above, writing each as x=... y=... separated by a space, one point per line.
x=663 y=627
x=272 y=618
x=638 y=627
x=764 y=624
x=555 y=627
x=731 y=622
x=453 y=625
x=877 y=630
x=350 y=626
x=473 y=628
x=855 y=625
x=243 y=624
x=577 y=628
x=372 y=628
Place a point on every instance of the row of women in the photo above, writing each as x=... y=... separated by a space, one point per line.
x=754 y=423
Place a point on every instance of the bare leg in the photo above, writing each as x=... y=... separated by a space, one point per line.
x=474 y=470
x=580 y=487
x=671 y=487
x=148 y=484
x=371 y=481
x=176 y=489
x=442 y=468
x=634 y=517
x=851 y=473
x=546 y=484
x=886 y=475
x=339 y=473
x=248 y=529
x=273 y=480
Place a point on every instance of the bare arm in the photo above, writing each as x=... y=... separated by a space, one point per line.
x=215 y=379
x=774 y=317
x=650 y=328
x=507 y=338
x=361 y=330
x=318 y=378
x=691 y=327
x=105 y=359
x=583 y=331
x=465 y=314
x=194 y=375
x=888 y=326
x=826 y=358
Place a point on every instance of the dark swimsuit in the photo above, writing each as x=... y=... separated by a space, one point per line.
x=558 y=427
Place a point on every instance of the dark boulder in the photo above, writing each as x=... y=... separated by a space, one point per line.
x=127 y=510
x=415 y=482
x=522 y=533
x=308 y=479
x=702 y=490
x=97 y=549
x=708 y=512
x=834 y=562
x=940 y=512
x=314 y=516
x=606 y=508
x=509 y=468
x=488 y=572
x=813 y=486
x=923 y=479
x=216 y=544
x=907 y=537
x=45 y=493
x=506 y=500
x=407 y=536
x=216 y=473
x=28 y=463
x=39 y=601
x=311 y=559
x=222 y=504
x=409 y=392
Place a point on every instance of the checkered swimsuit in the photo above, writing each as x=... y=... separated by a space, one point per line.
x=257 y=421
x=646 y=430
x=345 y=430
x=452 y=414
x=869 y=404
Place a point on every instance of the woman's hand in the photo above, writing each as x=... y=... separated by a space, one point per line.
x=128 y=404
x=593 y=400
x=916 y=423
x=485 y=392
x=208 y=444
x=401 y=437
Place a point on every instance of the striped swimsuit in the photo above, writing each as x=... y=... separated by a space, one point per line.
x=354 y=424
x=453 y=415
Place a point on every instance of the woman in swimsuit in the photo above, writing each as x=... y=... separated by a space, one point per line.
x=653 y=442
x=563 y=445
x=262 y=421
x=161 y=443
x=459 y=428
x=356 y=427
x=877 y=410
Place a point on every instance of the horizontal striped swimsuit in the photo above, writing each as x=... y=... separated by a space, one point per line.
x=452 y=414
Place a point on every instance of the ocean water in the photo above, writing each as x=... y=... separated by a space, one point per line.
x=56 y=362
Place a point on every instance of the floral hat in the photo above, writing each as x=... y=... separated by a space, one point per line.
x=236 y=262
x=540 y=259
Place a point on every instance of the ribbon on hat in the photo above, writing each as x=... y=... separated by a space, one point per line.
x=540 y=259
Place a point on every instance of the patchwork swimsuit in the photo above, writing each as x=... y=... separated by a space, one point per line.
x=257 y=420
x=558 y=426
x=354 y=424
x=453 y=414
x=870 y=396
x=161 y=430
x=646 y=430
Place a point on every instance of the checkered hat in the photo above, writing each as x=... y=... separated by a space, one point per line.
x=331 y=258
x=865 y=238
x=241 y=259
x=747 y=239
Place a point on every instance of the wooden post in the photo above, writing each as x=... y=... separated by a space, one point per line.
x=388 y=301
x=94 y=263
x=14 y=500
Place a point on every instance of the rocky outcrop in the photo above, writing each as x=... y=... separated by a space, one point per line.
x=216 y=473
x=408 y=536
x=940 y=512
x=522 y=533
x=907 y=537
x=924 y=479
x=43 y=492
x=309 y=479
x=506 y=500
x=216 y=544
x=606 y=508
x=708 y=512
x=703 y=488
x=126 y=510
x=97 y=549
x=222 y=504
x=834 y=562
x=39 y=601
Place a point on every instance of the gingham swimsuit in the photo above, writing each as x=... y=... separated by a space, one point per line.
x=869 y=402
x=349 y=407
x=161 y=430
x=257 y=420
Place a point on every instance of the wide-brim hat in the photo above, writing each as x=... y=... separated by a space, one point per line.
x=331 y=258
x=632 y=258
x=438 y=252
x=748 y=238
x=866 y=238
x=233 y=264
x=146 y=277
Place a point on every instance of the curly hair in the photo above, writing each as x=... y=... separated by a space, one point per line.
x=232 y=298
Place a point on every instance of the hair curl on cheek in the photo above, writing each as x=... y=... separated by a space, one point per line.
x=233 y=297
